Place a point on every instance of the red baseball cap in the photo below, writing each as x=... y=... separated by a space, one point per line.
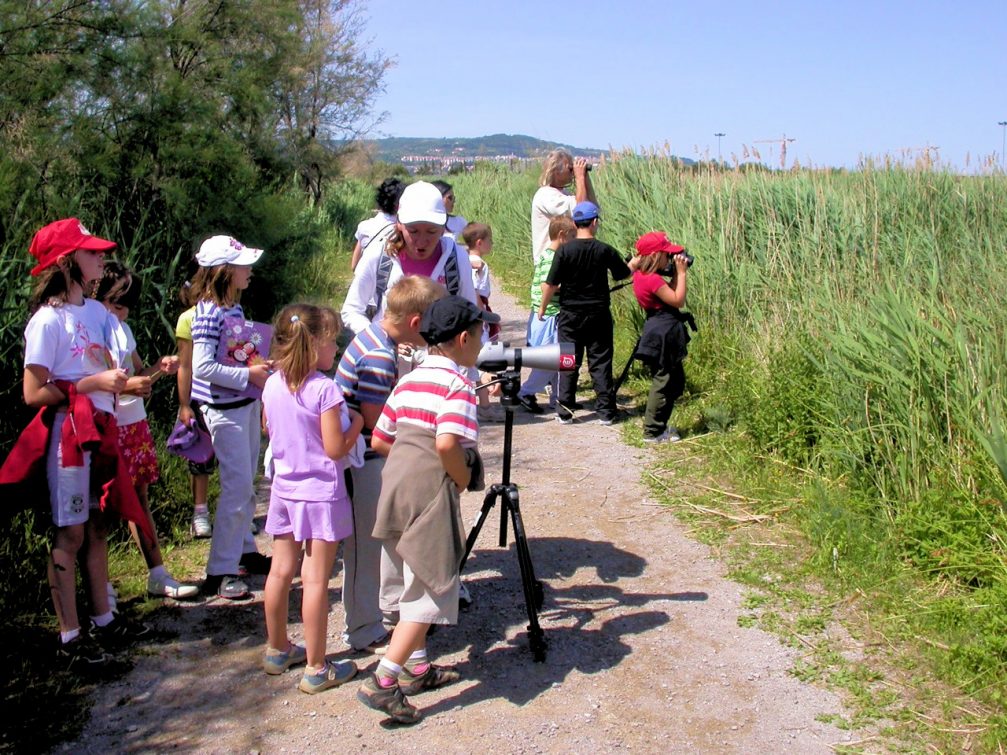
x=56 y=240
x=654 y=242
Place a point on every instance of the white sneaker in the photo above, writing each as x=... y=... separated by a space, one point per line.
x=168 y=587
x=201 y=526
x=670 y=434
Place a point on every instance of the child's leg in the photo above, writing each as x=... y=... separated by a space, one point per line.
x=408 y=637
x=286 y=553
x=200 y=486
x=96 y=563
x=599 y=362
x=63 y=575
x=362 y=584
x=665 y=387
x=541 y=333
x=150 y=548
x=569 y=329
x=316 y=570
x=233 y=443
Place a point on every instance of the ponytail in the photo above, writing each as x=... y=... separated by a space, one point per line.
x=296 y=334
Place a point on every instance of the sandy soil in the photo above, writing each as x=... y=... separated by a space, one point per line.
x=644 y=648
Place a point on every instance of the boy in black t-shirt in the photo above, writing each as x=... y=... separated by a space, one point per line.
x=581 y=267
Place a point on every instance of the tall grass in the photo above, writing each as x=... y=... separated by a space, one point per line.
x=850 y=322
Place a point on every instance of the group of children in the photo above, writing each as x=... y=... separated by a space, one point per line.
x=576 y=266
x=374 y=459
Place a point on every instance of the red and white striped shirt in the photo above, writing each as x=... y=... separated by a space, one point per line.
x=436 y=396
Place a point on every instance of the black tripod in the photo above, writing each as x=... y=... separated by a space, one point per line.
x=507 y=492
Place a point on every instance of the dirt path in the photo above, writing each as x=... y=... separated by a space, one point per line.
x=645 y=652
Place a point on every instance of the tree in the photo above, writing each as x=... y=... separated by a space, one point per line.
x=328 y=90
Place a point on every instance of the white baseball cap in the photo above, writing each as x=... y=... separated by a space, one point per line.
x=421 y=202
x=223 y=250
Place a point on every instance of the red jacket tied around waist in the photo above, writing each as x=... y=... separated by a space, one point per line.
x=85 y=429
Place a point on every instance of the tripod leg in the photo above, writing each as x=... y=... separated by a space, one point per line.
x=494 y=492
x=625 y=370
x=533 y=594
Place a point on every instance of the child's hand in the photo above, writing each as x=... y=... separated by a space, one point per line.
x=186 y=416
x=681 y=262
x=168 y=365
x=139 y=385
x=259 y=373
x=111 y=381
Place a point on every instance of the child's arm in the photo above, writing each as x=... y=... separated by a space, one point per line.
x=547 y=294
x=184 y=378
x=39 y=390
x=337 y=443
x=675 y=297
x=449 y=448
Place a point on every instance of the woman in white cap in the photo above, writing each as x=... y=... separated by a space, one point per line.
x=417 y=247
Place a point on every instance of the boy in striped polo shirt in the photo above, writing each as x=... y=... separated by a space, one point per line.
x=429 y=430
x=366 y=375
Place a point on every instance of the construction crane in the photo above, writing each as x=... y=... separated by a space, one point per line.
x=783 y=147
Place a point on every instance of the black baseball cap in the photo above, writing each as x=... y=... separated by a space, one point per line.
x=447 y=317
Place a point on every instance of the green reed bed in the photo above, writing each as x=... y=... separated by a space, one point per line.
x=851 y=326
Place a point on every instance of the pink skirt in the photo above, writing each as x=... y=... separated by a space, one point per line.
x=137 y=447
x=330 y=521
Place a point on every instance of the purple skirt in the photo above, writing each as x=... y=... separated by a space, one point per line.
x=330 y=521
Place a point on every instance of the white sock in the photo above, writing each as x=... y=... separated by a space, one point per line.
x=70 y=636
x=419 y=656
x=201 y=508
x=390 y=669
x=104 y=620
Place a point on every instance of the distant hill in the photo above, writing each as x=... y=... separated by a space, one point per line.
x=394 y=149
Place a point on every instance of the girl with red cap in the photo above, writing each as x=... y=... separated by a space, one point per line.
x=71 y=369
x=663 y=343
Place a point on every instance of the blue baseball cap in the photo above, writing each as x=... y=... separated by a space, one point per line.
x=585 y=211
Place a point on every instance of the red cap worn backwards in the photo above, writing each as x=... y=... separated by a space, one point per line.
x=56 y=240
x=654 y=242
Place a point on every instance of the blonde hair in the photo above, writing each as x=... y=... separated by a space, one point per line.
x=553 y=161
x=655 y=263
x=298 y=330
x=561 y=225
x=411 y=295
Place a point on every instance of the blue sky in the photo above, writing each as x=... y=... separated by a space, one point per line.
x=844 y=79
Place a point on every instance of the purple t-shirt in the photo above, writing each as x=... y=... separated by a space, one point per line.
x=301 y=469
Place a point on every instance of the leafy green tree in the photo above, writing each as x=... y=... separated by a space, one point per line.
x=329 y=88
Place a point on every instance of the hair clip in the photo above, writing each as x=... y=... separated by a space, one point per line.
x=294 y=318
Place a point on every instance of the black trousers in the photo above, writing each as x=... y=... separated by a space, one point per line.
x=590 y=332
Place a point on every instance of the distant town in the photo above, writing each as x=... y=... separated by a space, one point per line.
x=423 y=155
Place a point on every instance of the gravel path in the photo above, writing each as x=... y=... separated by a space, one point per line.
x=644 y=648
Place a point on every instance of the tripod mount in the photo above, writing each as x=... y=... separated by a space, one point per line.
x=507 y=494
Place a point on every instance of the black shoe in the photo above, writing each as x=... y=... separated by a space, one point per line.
x=530 y=403
x=226 y=586
x=83 y=654
x=121 y=632
x=563 y=416
x=255 y=563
